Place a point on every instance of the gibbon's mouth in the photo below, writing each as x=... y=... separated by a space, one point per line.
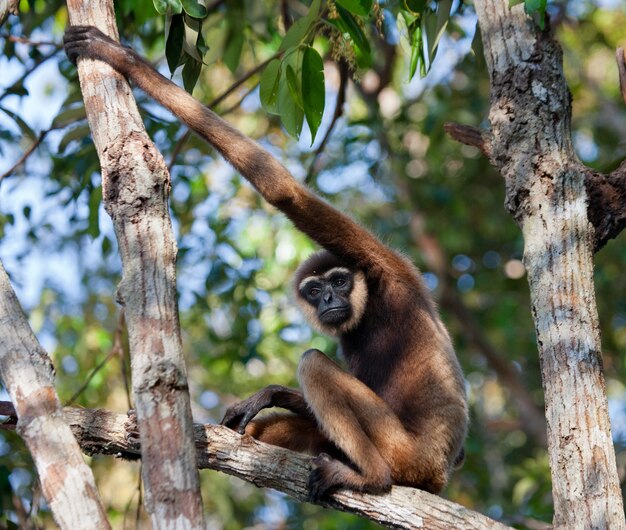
x=333 y=309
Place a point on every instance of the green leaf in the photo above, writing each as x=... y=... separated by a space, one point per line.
x=477 y=46
x=174 y=42
x=513 y=3
x=415 y=7
x=268 y=89
x=168 y=7
x=291 y=113
x=443 y=16
x=69 y=116
x=194 y=8
x=537 y=7
x=294 y=86
x=357 y=7
x=193 y=29
x=77 y=133
x=416 y=51
x=233 y=43
x=300 y=28
x=313 y=95
x=346 y=23
x=24 y=127
x=191 y=72
x=201 y=45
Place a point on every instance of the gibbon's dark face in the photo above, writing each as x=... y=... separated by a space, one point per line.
x=330 y=295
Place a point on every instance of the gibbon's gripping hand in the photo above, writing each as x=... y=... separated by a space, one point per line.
x=88 y=41
x=240 y=414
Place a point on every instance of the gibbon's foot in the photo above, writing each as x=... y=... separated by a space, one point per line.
x=322 y=479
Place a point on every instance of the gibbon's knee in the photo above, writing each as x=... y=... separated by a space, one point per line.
x=311 y=368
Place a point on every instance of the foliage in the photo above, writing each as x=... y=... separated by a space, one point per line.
x=387 y=162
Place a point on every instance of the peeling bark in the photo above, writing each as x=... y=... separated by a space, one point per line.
x=27 y=373
x=136 y=185
x=547 y=192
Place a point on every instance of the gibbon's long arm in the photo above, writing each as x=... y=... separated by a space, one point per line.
x=321 y=222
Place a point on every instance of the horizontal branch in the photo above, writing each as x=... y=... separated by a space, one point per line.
x=100 y=431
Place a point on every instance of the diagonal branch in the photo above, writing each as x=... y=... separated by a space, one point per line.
x=28 y=376
x=219 y=448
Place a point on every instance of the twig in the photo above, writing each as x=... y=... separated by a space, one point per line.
x=621 y=68
x=470 y=136
x=117 y=349
x=25 y=40
x=25 y=155
x=34 y=67
x=237 y=104
x=284 y=12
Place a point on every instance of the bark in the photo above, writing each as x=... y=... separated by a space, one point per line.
x=264 y=465
x=136 y=185
x=547 y=194
x=27 y=374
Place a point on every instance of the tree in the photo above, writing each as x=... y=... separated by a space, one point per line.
x=565 y=210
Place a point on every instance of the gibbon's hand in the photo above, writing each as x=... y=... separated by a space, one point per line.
x=240 y=414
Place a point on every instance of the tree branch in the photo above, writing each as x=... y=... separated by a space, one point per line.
x=468 y=135
x=546 y=193
x=27 y=374
x=135 y=189
x=607 y=193
x=100 y=431
x=621 y=68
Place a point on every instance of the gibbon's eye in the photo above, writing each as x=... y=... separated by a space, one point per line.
x=314 y=291
x=339 y=282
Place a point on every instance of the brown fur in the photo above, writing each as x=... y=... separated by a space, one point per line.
x=399 y=414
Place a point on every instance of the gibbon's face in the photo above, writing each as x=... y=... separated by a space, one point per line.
x=329 y=294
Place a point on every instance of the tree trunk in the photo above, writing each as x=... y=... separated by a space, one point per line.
x=546 y=193
x=136 y=185
x=27 y=373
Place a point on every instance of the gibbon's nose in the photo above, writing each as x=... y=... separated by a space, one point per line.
x=328 y=294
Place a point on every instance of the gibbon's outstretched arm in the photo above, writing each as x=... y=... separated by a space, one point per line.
x=321 y=222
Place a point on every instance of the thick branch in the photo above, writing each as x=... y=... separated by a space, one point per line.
x=221 y=449
x=27 y=374
x=135 y=185
x=607 y=193
x=546 y=192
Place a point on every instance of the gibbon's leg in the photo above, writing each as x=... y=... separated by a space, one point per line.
x=291 y=432
x=298 y=431
x=365 y=428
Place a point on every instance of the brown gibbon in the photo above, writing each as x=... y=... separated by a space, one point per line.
x=398 y=414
